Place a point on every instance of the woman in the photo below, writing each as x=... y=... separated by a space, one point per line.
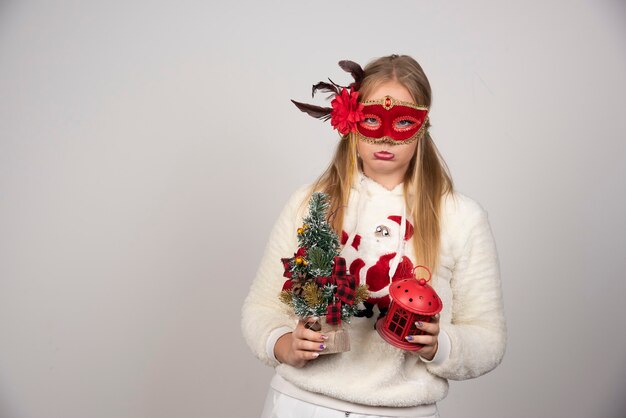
x=394 y=206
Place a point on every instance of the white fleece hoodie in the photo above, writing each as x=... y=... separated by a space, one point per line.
x=374 y=372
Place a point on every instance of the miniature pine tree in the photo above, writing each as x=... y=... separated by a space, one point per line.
x=318 y=246
x=318 y=238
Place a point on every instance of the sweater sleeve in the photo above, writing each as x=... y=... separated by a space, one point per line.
x=477 y=331
x=262 y=311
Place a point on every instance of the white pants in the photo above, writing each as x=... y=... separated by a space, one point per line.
x=279 y=405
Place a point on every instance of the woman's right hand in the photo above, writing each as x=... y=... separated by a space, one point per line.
x=297 y=348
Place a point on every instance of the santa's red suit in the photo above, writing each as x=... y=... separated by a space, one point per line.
x=376 y=245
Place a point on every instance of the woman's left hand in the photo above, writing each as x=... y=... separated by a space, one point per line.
x=429 y=340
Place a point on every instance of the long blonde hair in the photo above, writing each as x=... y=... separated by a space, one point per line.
x=427 y=179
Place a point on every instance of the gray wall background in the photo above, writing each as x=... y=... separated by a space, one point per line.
x=146 y=149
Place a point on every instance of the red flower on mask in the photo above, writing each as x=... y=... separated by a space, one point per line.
x=347 y=111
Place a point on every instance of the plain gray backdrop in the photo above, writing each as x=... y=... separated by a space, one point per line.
x=147 y=147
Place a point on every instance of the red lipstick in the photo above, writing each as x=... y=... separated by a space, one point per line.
x=384 y=155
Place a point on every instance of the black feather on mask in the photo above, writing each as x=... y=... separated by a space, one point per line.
x=355 y=70
x=324 y=113
x=318 y=112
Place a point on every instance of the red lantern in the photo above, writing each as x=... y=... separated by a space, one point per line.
x=412 y=300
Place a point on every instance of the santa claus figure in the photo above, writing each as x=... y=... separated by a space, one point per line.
x=375 y=255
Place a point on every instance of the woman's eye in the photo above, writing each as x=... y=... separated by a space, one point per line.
x=370 y=122
x=404 y=123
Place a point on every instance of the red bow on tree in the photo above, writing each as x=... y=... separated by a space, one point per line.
x=288 y=261
x=345 y=292
x=287 y=266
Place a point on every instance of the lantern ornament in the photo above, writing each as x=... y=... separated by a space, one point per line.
x=411 y=300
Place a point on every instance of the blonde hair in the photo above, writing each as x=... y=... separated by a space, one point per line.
x=427 y=179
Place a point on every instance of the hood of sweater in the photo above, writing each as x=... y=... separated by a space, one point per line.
x=362 y=183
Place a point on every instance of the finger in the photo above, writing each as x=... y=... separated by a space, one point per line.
x=301 y=358
x=309 y=335
x=307 y=355
x=422 y=339
x=434 y=319
x=429 y=328
x=304 y=345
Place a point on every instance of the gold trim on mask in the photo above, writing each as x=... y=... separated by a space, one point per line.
x=388 y=102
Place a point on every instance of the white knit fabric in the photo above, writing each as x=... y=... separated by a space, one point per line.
x=374 y=372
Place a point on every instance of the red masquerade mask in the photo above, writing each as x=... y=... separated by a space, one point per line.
x=391 y=121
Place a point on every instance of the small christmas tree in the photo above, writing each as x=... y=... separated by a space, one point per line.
x=317 y=282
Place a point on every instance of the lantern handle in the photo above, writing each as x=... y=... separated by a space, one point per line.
x=425 y=268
